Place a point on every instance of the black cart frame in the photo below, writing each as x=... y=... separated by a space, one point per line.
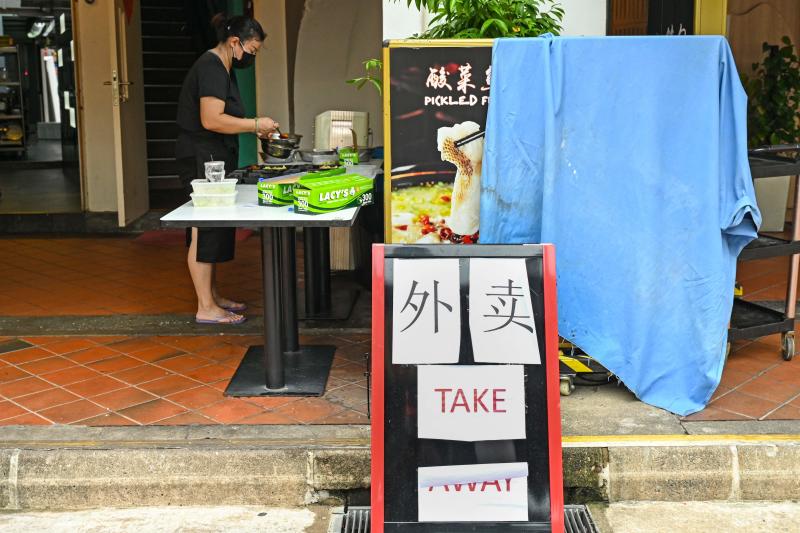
x=751 y=320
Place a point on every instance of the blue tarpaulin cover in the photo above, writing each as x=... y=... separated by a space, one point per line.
x=630 y=155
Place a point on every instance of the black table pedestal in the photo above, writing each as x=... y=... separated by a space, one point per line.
x=320 y=301
x=281 y=367
x=306 y=373
x=343 y=302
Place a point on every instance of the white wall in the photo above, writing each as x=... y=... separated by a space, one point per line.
x=584 y=17
x=336 y=36
x=272 y=84
x=400 y=22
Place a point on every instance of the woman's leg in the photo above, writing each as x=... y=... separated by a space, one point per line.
x=202 y=277
x=225 y=303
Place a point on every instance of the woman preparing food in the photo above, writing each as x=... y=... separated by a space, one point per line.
x=210 y=117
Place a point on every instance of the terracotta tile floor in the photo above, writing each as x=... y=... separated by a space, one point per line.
x=102 y=381
x=179 y=380
x=757 y=384
x=114 y=275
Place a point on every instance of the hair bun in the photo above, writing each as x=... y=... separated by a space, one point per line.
x=220 y=21
x=237 y=26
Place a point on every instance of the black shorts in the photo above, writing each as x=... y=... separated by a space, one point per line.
x=214 y=245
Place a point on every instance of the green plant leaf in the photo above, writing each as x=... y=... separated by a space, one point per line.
x=370 y=65
x=502 y=26
x=490 y=18
x=378 y=85
x=773 y=114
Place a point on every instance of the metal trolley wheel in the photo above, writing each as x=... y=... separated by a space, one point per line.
x=566 y=385
x=787 y=346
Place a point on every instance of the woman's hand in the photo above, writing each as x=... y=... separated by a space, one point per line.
x=266 y=126
x=213 y=118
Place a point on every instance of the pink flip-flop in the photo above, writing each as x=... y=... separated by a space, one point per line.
x=224 y=321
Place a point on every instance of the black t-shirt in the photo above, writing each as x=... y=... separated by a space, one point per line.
x=207 y=77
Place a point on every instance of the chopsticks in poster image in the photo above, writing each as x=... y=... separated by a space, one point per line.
x=469 y=138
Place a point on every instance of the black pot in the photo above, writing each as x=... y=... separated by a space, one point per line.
x=278 y=148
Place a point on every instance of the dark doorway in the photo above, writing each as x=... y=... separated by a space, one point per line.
x=39 y=153
x=651 y=17
x=174 y=34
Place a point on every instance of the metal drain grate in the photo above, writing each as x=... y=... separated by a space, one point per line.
x=578 y=520
x=356 y=520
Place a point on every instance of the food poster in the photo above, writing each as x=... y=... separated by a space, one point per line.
x=437 y=103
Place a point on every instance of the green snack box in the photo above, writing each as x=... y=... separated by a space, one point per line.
x=348 y=156
x=323 y=174
x=280 y=191
x=276 y=192
x=323 y=195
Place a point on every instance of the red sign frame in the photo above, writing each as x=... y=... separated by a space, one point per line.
x=552 y=389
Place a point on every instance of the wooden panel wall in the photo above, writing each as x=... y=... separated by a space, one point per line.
x=752 y=22
x=627 y=17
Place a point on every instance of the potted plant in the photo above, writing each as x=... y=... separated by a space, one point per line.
x=476 y=19
x=490 y=19
x=773 y=117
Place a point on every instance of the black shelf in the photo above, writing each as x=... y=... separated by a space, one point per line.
x=770 y=166
x=764 y=247
x=19 y=117
x=751 y=320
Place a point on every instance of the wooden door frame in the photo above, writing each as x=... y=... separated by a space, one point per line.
x=710 y=17
x=120 y=56
x=117 y=59
x=80 y=107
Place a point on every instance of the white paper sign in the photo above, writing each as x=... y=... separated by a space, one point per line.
x=62 y=23
x=473 y=493
x=426 y=311
x=471 y=403
x=501 y=320
x=60 y=58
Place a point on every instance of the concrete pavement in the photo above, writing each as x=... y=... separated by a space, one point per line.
x=691 y=517
x=624 y=517
x=240 y=519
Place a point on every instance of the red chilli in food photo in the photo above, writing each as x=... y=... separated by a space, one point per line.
x=445 y=233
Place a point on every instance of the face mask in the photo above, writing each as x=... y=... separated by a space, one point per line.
x=246 y=60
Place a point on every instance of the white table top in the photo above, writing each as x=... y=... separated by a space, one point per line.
x=247 y=213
